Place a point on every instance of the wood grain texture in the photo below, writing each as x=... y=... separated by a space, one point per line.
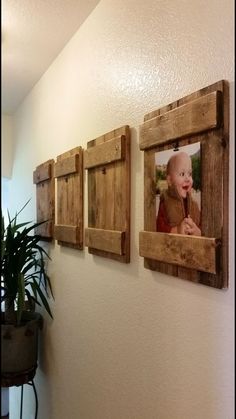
x=226 y=190
x=178 y=249
x=109 y=194
x=218 y=86
x=42 y=172
x=43 y=177
x=67 y=166
x=106 y=240
x=70 y=199
x=66 y=233
x=215 y=185
x=105 y=153
x=200 y=115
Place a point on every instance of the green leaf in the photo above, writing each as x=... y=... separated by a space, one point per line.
x=21 y=297
x=23 y=265
x=44 y=300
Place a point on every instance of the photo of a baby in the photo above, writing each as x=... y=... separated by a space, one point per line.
x=178 y=186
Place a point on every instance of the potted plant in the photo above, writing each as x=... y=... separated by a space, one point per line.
x=24 y=284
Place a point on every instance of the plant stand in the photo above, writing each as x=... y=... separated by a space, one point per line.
x=31 y=383
x=19 y=379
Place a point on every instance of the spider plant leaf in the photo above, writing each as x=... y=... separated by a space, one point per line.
x=21 y=297
x=43 y=299
x=23 y=265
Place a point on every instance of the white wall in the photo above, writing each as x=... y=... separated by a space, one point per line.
x=126 y=342
x=7 y=145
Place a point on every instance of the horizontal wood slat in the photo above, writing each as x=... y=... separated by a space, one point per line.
x=107 y=240
x=42 y=173
x=65 y=233
x=67 y=166
x=45 y=230
x=105 y=153
x=200 y=115
x=190 y=252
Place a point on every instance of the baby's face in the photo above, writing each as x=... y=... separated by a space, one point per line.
x=180 y=174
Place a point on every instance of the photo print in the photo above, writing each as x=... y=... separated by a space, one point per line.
x=178 y=190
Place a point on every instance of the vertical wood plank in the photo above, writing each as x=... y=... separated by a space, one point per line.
x=45 y=198
x=70 y=198
x=109 y=195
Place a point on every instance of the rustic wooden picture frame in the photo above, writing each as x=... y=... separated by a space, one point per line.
x=69 y=197
x=202 y=116
x=107 y=160
x=43 y=178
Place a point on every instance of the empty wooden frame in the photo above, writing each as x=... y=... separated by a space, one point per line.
x=69 y=196
x=107 y=160
x=43 y=177
x=202 y=116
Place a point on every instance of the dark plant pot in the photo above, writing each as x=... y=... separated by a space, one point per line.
x=19 y=349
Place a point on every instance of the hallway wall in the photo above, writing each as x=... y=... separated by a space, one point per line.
x=126 y=342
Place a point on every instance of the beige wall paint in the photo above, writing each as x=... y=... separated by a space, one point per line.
x=7 y=145
x=125 y=342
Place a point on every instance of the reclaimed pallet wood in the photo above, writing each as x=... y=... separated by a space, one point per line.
x=202 y=116
x=107 y=160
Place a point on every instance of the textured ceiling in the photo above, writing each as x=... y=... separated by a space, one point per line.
x=33 y=34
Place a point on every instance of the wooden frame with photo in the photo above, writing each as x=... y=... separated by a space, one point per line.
x=202 y=116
